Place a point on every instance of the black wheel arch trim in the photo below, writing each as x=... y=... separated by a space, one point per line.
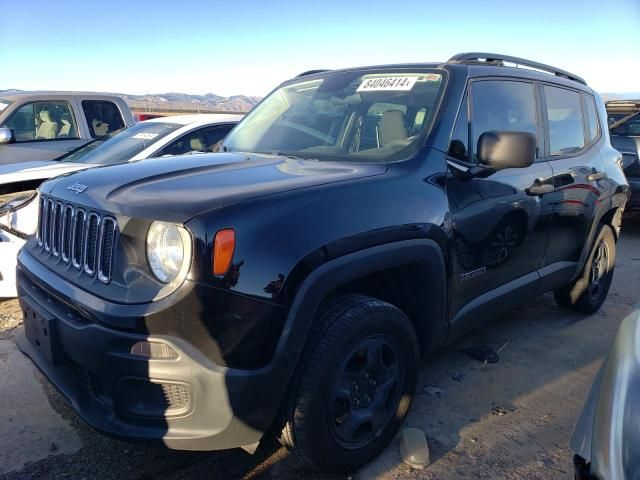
x=331 y=275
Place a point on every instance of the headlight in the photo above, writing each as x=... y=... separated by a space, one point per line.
x=13 y=201
x=168 y=250
x=23 y=203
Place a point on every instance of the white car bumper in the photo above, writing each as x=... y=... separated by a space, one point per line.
x=9 y=246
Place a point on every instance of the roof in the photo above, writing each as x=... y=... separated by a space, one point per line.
x=203 y=118
x=14 y=95
x=481 y=64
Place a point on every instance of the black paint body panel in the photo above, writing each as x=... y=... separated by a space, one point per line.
x=417 y=232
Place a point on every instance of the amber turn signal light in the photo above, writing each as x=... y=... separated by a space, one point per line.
x=223 y=248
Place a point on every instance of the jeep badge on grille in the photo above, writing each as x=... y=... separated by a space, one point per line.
x=77 y=188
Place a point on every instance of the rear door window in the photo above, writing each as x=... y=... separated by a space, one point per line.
x=102 y=117
x=502 y=105
x=201 y=140
x=565 y=121
x=43 y=120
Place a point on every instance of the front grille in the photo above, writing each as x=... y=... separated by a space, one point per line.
x=91 y=243
x=87 y=240
x=56 y=230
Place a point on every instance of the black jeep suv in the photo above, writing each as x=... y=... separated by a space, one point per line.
x=624 y=123
x=352 y=222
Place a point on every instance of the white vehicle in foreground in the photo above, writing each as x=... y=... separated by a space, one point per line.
x=159 y=137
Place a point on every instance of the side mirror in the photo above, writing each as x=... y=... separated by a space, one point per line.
x=6 y=135
x=500 y=150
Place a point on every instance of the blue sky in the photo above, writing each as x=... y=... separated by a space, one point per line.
x=248 y=47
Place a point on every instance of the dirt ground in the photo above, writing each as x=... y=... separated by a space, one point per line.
x=507 y=420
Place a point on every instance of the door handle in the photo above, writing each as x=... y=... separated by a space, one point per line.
x=596 y=176
x=540 y=189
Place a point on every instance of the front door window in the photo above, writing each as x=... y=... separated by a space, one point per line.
x=45 y=120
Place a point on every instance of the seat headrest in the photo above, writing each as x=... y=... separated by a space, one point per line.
x=196 y=144
x=392 y=127
x=100 y=128
x=45 y=116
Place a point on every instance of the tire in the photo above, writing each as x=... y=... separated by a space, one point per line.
x=581 y=469
x=587 y=293
x=353 y=385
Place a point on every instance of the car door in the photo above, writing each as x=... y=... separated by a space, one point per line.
x=43 y=130
x=578 y=175
x=198 y=140
x=499 y=221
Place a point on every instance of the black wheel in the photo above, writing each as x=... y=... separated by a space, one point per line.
x=353 y=386
x=588 y=292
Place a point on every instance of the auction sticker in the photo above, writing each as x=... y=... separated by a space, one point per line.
x=145 y=136
x=387 y=83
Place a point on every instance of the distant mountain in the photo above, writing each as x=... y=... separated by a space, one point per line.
x=184 y=101
x=209 y=102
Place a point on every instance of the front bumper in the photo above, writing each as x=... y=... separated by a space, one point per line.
x=186 y=400
x=9 y=247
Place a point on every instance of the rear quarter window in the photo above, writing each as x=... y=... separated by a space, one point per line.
x=592 y=117
x=102 y=117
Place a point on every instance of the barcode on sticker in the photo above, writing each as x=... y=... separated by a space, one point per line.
x=387 y=83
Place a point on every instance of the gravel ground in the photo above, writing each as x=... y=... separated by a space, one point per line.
x=10 y=319
x=509 y=420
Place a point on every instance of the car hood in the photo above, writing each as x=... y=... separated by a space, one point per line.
x=36 y=170
x=176 y=189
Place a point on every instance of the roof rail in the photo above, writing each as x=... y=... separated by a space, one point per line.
x=311 y=72
x=499 y=59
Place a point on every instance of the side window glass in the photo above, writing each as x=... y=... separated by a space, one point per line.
x=102 y=117
x=201 y=140
x=564 y=117
x=459 y=145
x=46 y=120
x=592 y=115
x=502 y=106
x=631 y=127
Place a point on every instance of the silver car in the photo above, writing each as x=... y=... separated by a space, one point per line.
x=606 y=439
x=44 y=125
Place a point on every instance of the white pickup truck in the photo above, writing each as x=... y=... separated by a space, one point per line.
x=45 y=125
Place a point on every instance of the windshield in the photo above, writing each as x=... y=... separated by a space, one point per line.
x=4 y=104
x=120 y=146
x=629 y=128
x=349 y=116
